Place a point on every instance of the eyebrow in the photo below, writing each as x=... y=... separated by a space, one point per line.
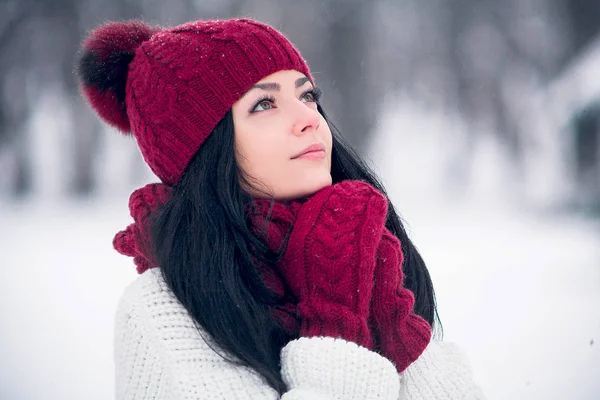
x=276 y=87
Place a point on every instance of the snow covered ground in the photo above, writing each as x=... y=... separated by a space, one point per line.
x=520 y=292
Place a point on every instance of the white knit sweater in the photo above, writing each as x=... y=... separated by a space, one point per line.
x=159 y=354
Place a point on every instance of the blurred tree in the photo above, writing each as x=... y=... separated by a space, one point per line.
x=586 y=143
x=583 y=22
x=357 y=100
x=14 y=104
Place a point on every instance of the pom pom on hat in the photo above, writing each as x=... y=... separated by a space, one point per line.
x=103 y=66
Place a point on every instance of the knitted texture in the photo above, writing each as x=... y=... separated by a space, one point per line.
x=401 y=335
x=272 y=222
x=330 y=260
x=178 y=82
x=161 y=354
x=442 y=372
x=136 y=240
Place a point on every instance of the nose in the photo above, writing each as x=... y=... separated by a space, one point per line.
x=307 y=119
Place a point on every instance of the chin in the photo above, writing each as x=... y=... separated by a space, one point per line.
x=314 y=186
x=307 y=189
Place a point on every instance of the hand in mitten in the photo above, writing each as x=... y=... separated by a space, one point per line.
x=401 y=335
x=330 y=260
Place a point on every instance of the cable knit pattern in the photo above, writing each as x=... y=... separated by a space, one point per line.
x=159 y=354
x=330 y=259
x=401 y=335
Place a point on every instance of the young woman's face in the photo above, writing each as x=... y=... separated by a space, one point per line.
x=276 y=122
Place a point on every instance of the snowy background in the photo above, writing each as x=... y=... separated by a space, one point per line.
x=469 y=110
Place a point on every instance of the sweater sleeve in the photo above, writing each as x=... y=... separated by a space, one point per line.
x=441 y=372
x=159 y=354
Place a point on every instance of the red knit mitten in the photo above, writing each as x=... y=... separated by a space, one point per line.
x=402 y=335
x=330 y=260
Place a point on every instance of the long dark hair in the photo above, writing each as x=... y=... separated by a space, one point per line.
x=207 y=253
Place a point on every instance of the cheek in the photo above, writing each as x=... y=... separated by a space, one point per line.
x=259 y=154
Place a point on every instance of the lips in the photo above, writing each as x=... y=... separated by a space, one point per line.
x=313 y=148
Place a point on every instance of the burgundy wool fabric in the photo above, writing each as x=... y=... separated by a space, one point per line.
x=170 y=87
x=136 y=241
x=401 y=335
x=330 y=260
x=273 y=223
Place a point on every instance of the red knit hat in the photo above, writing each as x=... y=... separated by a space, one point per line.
x=170 y=87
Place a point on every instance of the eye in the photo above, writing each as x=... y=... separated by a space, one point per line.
x=311 y=96
x=262 y=104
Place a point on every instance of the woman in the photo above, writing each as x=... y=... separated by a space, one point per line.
x=271 y=261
